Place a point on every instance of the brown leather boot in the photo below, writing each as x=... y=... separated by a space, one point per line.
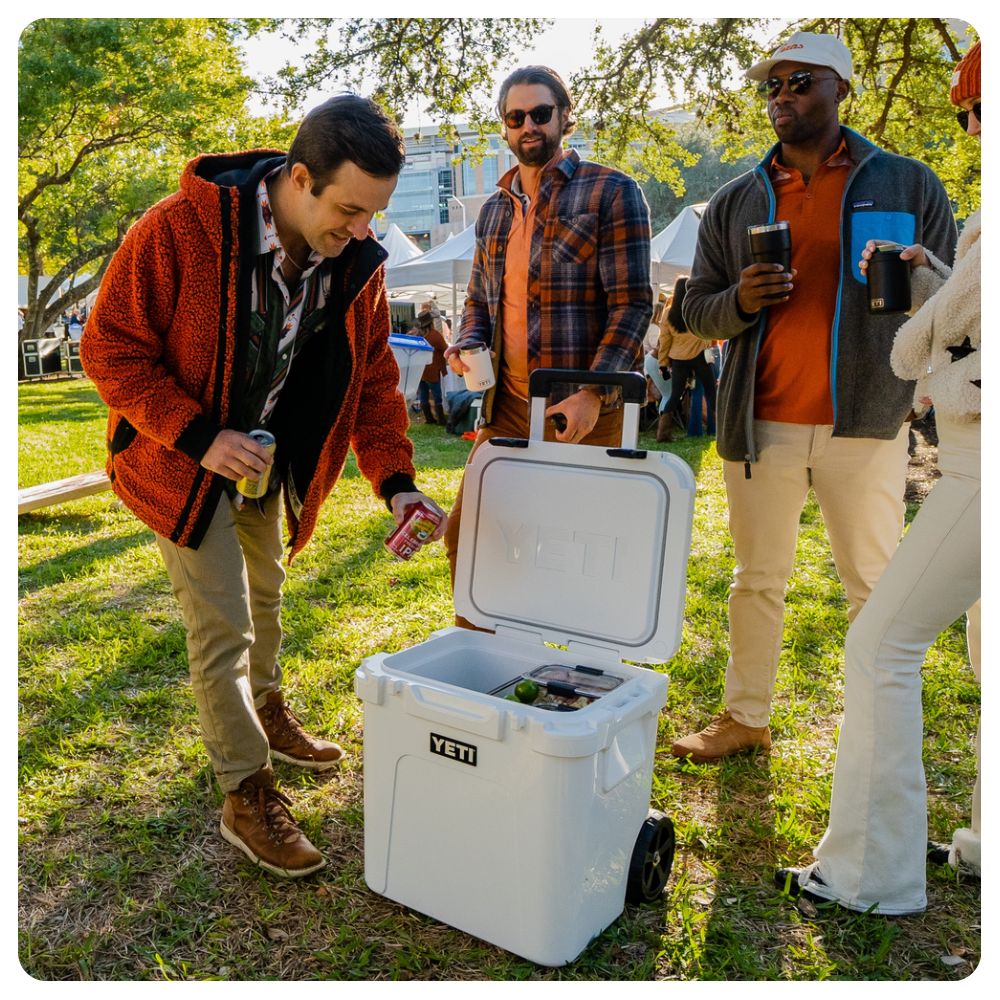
x=722 y=737
x=255 y=818
x=664 y=428
x=290 y=742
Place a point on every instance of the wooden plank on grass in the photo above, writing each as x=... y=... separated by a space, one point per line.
x=47 y=494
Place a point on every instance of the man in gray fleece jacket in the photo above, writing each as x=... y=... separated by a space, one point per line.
x=807 y=397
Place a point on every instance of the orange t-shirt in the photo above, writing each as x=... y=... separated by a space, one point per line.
x=514 y=294
x=514 y=309
x=793 y=368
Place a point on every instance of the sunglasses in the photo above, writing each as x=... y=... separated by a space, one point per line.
x=541 y=115
x=963 y=116
x=798 y=82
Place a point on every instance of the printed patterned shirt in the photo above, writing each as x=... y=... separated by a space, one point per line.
x=589 y=295
x=309 y=295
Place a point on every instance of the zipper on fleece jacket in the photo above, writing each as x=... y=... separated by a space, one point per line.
x=751 y=455
x=844 y=250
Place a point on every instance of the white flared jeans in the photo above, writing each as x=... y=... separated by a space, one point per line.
x=874 y=852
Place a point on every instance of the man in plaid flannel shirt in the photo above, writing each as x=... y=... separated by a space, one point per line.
x=560 y=277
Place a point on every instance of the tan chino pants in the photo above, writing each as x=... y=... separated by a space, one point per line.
x=859 y=484
x=229 y=589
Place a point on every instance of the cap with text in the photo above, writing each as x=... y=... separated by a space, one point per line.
x=809 y=48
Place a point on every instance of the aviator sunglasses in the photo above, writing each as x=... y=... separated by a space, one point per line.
x=798 y=82
x=963 y=116
x=541 y=115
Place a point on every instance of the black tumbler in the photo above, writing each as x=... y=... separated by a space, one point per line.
x=888 y=280
x=771 y=244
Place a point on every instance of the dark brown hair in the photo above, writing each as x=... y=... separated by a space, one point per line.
x=546 y=77
x=674 y=316
x=347 y=127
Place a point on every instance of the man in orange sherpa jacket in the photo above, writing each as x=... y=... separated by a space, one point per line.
x=254 y=297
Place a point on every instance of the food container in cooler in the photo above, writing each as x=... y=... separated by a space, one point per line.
x=561 y=688
x=525 y=826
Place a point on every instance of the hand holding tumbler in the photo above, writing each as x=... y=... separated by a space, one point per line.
x=771 y=243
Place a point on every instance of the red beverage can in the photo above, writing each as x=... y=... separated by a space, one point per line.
x=419 y=524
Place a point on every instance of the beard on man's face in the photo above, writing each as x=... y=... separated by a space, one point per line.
x=536 y=153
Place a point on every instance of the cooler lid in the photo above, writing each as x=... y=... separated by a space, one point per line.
x=577 y=543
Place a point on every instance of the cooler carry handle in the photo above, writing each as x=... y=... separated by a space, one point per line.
x=632 y=384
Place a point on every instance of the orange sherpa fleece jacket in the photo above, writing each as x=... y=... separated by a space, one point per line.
x=165 y=346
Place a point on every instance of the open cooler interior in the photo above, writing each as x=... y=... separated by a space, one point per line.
x=488 y=664
x=559 y=687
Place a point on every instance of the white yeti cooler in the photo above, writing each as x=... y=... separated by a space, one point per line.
x=526 y=824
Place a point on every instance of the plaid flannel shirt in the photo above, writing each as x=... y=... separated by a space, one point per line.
x=589 y=294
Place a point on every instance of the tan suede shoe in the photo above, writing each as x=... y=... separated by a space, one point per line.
x=255 y=818
x=290 y=742
x=722 y=737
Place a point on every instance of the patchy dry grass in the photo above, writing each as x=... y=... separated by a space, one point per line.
x=122 y=874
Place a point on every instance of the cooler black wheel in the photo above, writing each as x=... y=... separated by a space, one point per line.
x=652 y=858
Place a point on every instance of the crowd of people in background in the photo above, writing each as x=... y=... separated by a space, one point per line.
x=69 y=326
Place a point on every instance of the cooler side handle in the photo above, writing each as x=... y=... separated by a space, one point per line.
x=439 y=707
x=632 y=384
x=628 y=753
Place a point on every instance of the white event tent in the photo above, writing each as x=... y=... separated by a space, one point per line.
x=442 y=271
x=399 y=246
x=672 y=249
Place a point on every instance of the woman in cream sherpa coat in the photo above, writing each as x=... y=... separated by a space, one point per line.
x=874 y=852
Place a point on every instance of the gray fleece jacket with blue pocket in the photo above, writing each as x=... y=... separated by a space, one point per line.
x=886 y=197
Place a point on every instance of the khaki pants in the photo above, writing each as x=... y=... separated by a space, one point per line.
x=229 y=589
x=859 y=484
x=510 y=419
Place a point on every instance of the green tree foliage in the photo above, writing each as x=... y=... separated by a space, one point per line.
x=700 y=180
x=109 y=110
x=899 y=98
x=445 y=64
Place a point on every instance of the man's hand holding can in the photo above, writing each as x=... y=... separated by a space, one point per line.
x=236 y=455
x=419 y=520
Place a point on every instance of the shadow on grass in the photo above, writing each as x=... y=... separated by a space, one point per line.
x=71 y=404
x=68 y=565
x=744 y=811
x=136 y=700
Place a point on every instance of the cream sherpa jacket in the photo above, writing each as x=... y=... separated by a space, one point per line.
x=939 y=345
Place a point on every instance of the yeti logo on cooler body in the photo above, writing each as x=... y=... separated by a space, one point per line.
x=445 y=746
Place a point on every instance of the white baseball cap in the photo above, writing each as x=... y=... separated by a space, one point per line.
x=810 y=48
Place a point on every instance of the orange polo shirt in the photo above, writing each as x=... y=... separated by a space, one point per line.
x=793 y=368
x=514 y=294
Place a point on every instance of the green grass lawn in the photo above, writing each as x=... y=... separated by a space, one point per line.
x=122 y=873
